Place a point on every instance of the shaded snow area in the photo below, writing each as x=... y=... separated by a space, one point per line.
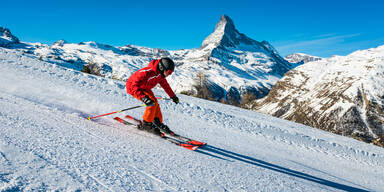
x=46 y=142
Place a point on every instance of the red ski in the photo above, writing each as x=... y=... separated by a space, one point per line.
x=172 y=134
x=163 y=136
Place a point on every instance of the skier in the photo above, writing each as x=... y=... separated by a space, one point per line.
x=139 y=85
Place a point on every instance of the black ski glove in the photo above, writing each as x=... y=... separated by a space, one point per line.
x=175 y=99
x=148 y=102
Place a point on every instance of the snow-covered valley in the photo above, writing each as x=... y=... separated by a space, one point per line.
x=47 y=144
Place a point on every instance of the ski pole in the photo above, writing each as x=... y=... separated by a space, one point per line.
x=89 y=118
x=163 y=98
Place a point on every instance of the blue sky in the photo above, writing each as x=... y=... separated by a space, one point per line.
x=322 y=28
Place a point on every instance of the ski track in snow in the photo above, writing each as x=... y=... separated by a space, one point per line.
x=44 y=155
x=46 y=143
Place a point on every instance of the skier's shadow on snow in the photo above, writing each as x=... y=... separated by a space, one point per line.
x=231 y=156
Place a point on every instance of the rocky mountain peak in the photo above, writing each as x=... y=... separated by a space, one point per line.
x=6 y=37
x=226 y=35
x=226 y=24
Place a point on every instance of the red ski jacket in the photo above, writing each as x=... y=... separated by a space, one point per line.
x=146 y=79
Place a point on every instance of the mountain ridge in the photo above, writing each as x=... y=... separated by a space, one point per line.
x=301 y=58
x=243 y=65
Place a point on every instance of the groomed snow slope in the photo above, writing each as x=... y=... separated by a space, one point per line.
x=47 y=144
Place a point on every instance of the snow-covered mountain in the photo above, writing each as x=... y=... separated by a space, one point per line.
x=342 y=94
x=6 y=38
x=235 y=63
x=301 y=58
x=47 y=144
x=232 y=63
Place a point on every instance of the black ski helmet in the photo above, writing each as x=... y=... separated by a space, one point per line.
x=166 y=64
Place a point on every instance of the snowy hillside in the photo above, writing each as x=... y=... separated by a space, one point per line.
x=342 y=94
x=46 y=143
x=233 y=63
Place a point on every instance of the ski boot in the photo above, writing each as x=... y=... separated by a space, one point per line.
x=149 y=127
x=163 y=128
